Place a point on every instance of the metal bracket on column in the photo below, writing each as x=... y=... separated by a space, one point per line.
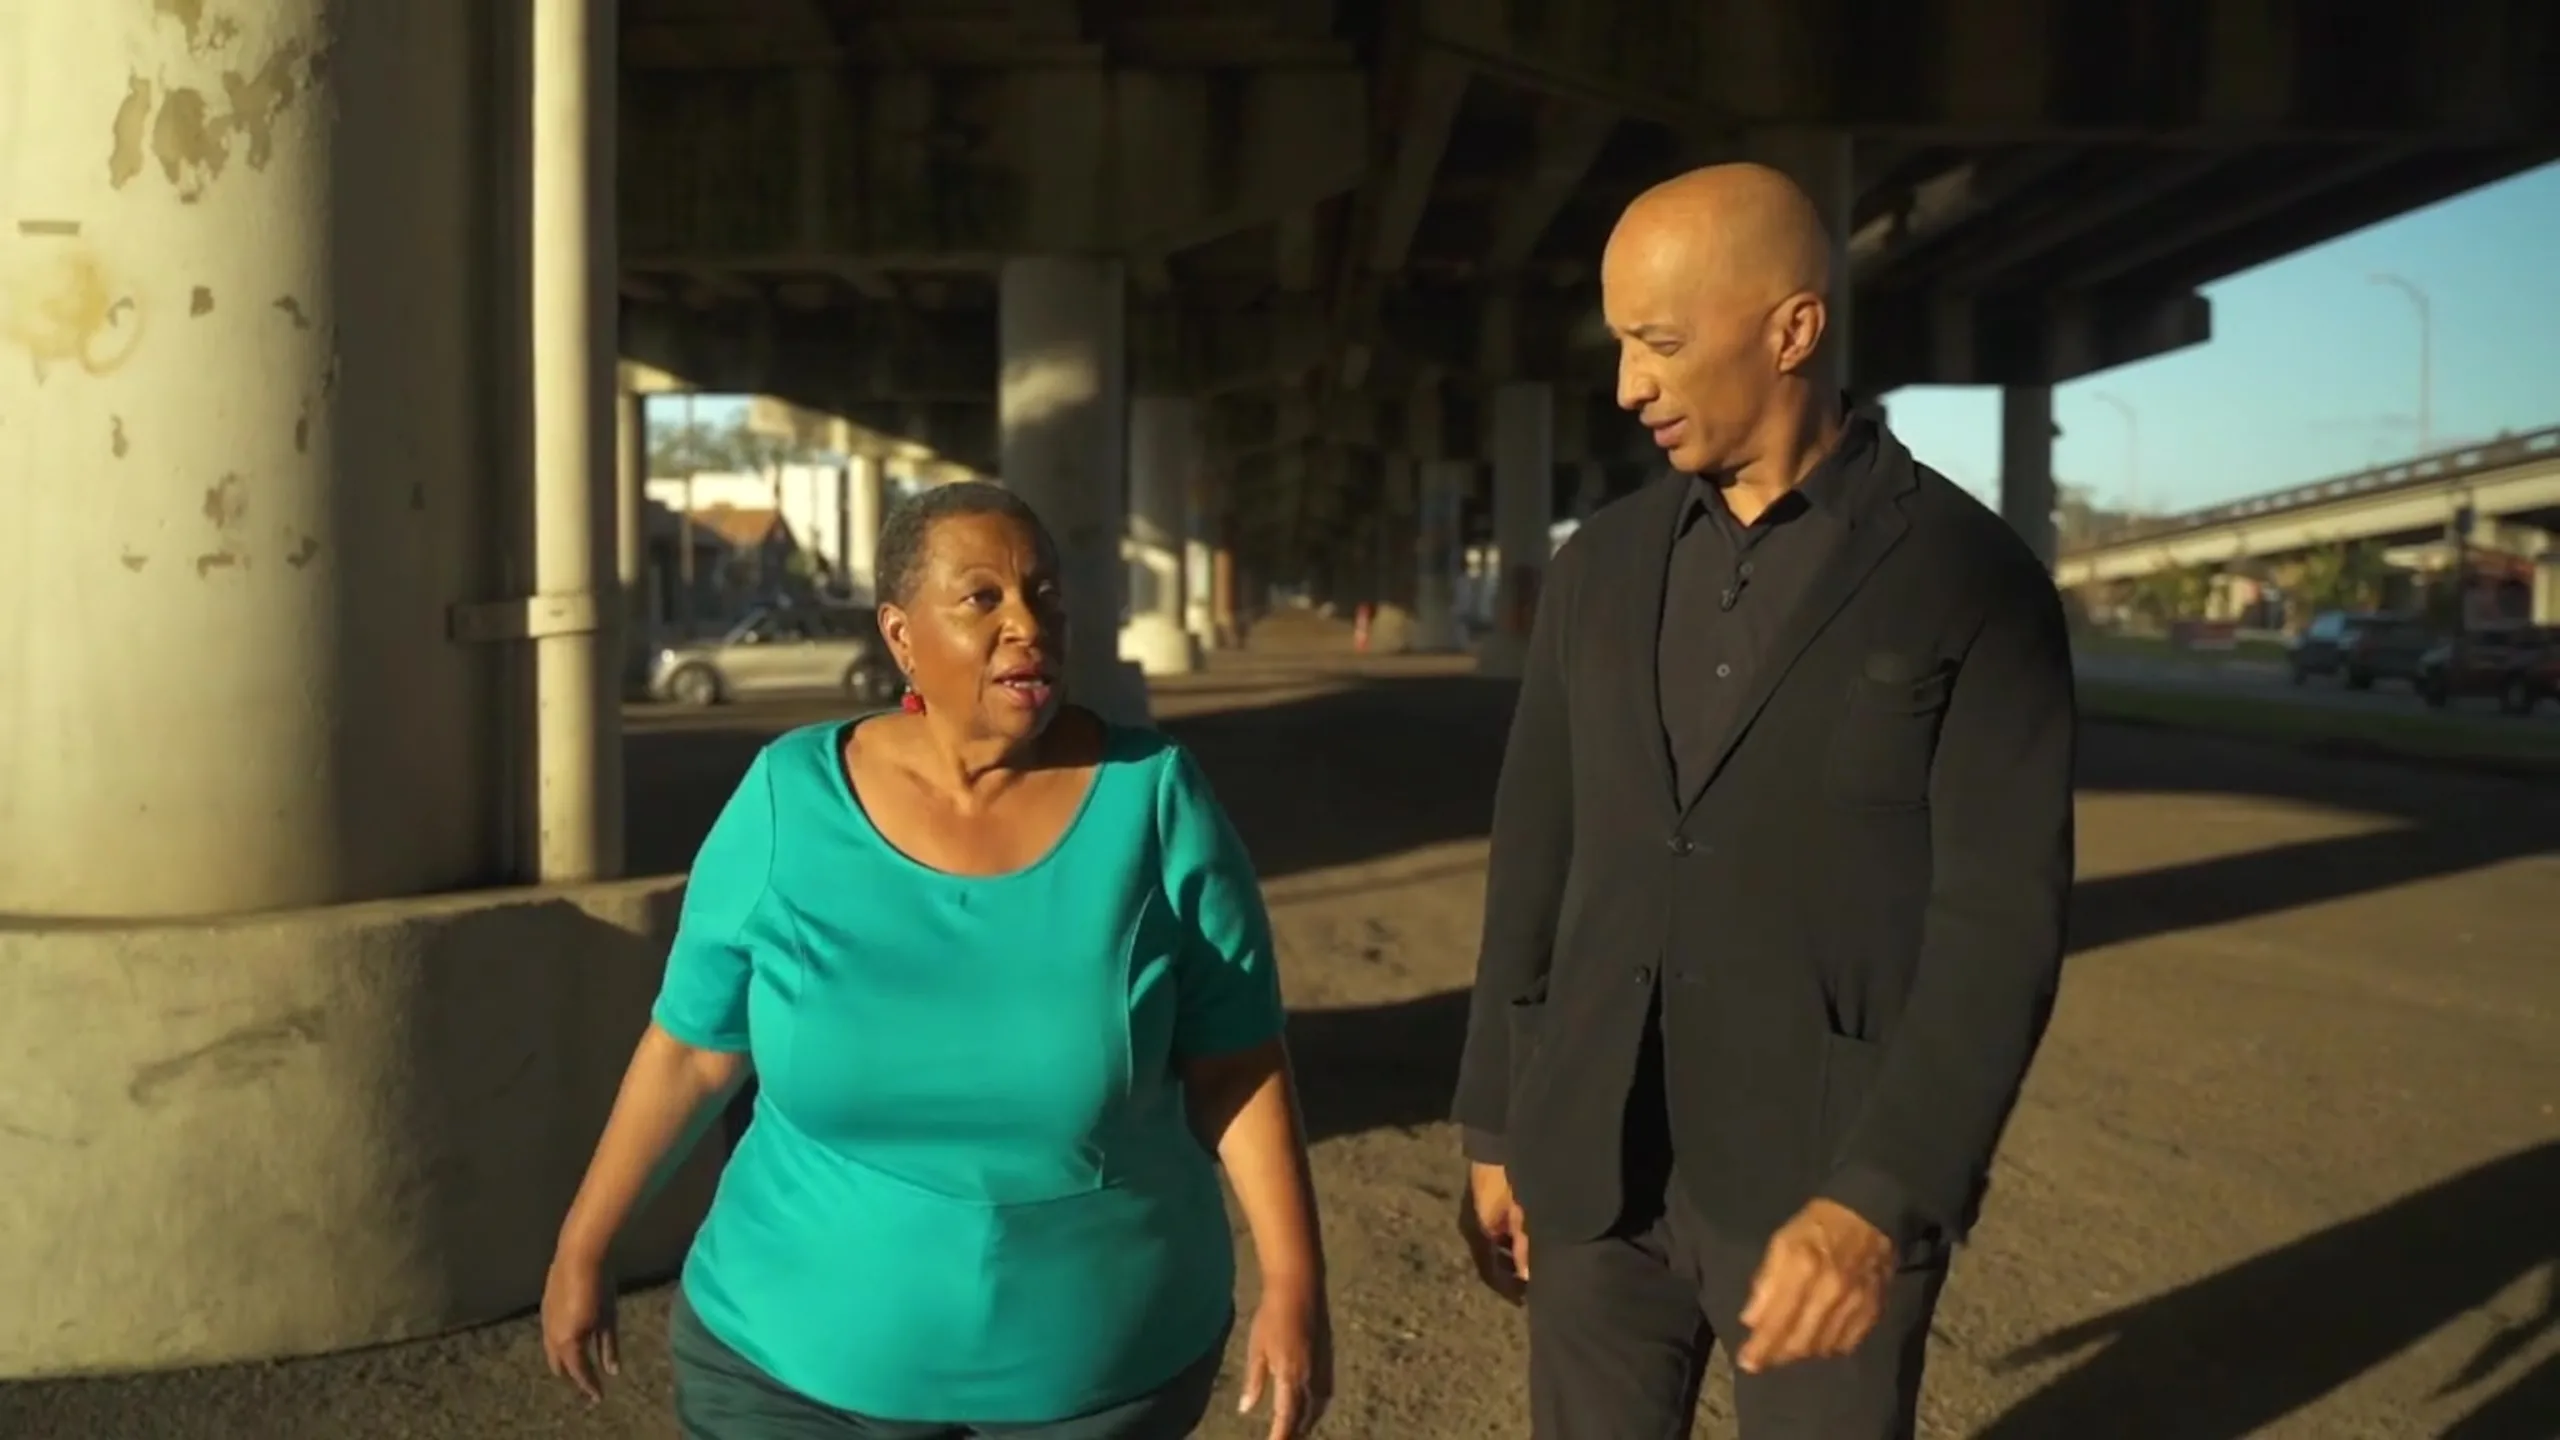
x=528 y=617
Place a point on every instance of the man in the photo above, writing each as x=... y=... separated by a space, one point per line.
x=1774 y=915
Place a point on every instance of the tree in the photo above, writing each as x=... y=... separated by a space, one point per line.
x=677 y=448
x=2173 y=592
x=2349 y=575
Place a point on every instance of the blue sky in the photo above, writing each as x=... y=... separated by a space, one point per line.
x=2313 y=368
x=2312 y=371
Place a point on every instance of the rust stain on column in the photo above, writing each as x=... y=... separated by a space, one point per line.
x=64 y=310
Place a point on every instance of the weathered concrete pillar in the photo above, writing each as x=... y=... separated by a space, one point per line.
x=314 y=447
x=1199 y=558
x=1824 y=162
x=1439 y=556
x=631 y=539
x=865 y=501
x=1524 y=476
x=1164 y=464
x=1062 y=407
x=2026 y=465
x=244 y=464
x=1222 y=596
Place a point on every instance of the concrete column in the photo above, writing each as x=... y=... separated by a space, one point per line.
x=1524 y=475
x=1164 y=464
x=1439 y=558
x=1222 y=596
x=1062 y=410
x=865 y=505
x=1824 y=162
x=2546 y=590
x=246 y=400
x=1199 y=562
x=2026 y=465
x=631 y=540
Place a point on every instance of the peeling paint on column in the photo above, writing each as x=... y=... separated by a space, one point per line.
x=133 y=560
x=302 y=430
x=124 y=148
x=304 y=551
x=226 y=504
x=202 y=38
x=191 y=155
x=201 y=302
x=292 y=310
x=115 y=435
x=191 y=140
x=257 y=101
x=211 y=561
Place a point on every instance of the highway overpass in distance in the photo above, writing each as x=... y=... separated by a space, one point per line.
x=2510 y=487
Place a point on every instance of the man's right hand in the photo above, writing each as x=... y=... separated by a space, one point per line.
x=1497 y=1237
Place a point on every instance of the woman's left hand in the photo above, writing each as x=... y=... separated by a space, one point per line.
x=1289 y=1351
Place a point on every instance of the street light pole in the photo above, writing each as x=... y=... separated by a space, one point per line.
x=2132 y=447
x=2426 y=352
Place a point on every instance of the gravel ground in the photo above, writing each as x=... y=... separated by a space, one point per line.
x=2289 y=1166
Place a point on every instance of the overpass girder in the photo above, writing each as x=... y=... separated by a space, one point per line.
x=2415 y=512
x=808 y=169
x=2043 y=69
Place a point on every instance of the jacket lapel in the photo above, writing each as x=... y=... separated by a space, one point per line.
x=1875 y=526
x=1644 y=592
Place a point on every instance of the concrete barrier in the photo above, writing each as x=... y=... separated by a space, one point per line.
x=294 y=1133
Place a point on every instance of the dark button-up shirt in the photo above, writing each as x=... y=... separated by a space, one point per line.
x=1729 y=589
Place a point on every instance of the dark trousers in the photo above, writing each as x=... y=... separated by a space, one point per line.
x=1620 y=1329
x=721 y=1395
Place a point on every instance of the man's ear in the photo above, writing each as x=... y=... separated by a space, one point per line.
x=1800 y=322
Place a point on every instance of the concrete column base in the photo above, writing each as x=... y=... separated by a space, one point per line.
x=1159 y=645
x=307 y=1131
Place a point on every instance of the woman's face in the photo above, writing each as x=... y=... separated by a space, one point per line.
x=983 y=638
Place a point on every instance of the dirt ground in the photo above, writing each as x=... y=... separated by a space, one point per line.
x=2289 y=1165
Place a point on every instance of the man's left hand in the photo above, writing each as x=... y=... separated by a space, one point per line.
x=1820 y=1289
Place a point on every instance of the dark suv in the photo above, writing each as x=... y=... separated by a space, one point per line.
x=2520 y=664
x=2359 y=648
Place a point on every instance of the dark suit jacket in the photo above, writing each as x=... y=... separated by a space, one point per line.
x=1856 y=924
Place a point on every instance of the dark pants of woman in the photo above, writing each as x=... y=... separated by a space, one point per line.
x=720 y=1395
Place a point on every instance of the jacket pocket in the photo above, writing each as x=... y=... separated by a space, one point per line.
x=1886 y=737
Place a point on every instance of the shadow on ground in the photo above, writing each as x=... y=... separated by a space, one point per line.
x=2228 y=1355
x=1380 y=766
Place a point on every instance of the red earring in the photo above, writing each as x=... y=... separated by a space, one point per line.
x=911 y=702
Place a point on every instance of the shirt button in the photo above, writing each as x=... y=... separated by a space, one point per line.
x=1746 y=569
x=1644 y=975
x=1681 y=845
x=1724 y=672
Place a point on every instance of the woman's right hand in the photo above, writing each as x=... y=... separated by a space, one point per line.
x=578 y=1324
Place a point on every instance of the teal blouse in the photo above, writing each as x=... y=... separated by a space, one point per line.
x=969 y=1192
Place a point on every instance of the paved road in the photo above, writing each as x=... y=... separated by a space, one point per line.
x=2287 y=1167
x=2271 y=683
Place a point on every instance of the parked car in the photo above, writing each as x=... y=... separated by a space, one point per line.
x=2519 y=664
x=782 y=649
x=2359 y=648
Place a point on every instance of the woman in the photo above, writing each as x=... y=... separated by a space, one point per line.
x=1004 y=977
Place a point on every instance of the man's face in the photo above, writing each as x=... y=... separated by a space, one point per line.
x=1699 y=358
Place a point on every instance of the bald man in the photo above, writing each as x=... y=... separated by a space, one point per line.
x=1774 y=914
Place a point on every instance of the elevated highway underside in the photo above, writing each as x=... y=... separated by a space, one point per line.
x=1344 y=225
x=319 y=957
